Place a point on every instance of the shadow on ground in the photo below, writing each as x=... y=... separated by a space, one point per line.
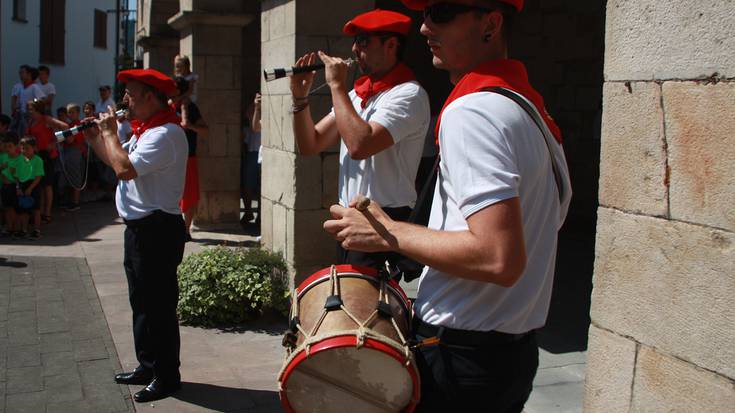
x=208 y=242
x=569 y=314
x=224 y=399
x=270 y=323
x=4 y=262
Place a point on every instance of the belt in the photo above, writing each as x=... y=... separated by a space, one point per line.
x=450 y=336
x=149 y=219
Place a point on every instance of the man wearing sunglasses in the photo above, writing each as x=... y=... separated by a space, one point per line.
x=501 y=196
x=380 y=124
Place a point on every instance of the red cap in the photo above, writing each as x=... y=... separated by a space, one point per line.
x=150 y=77
x=378 y=21
x=421 y=4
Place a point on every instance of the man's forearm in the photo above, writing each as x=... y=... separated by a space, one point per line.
x=117 y=158
x=99 y=148
x=354 y=130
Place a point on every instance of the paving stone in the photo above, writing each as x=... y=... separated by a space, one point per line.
x=24 y=380
x=64 y=387
x=23 y=304
x=25 y=402
x=92 y=349
x=21 y=279
x=58 y=363
x=24 y=356
x=56 y=342
x=78 y=406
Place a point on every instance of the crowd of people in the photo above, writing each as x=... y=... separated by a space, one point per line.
x=69 y=173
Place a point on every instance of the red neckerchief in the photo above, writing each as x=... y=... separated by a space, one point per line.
x=366 y=87
x=26 y=84
x=162 y=117
x=505 y=73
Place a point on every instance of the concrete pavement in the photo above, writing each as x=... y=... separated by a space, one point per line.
x=223 y=371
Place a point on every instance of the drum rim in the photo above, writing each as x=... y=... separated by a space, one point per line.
x=353 y=270
x=342 y=341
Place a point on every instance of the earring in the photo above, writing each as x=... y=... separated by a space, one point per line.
x=487 y=38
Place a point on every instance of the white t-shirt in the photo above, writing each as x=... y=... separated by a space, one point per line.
x=102 y=106
x=48 y=88
x=491 y=150
x=388 y=176
x=159 y=158
x=27 y=94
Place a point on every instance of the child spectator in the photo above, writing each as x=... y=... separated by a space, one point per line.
x=182 y=68
x=62 y=114
x=41 y=127
x=72 y=159
x=7 y=175
x=22 y=93
x=47 y=87
x=28 y=174
x=4 y=123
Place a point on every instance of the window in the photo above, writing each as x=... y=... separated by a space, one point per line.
x=100 y=29
x=53 y=30
x=19 y=11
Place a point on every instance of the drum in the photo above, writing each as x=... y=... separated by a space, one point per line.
x=347 y=348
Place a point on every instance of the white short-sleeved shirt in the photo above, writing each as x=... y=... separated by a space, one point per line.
x=27 y=94
x=48 y=88
x=159 y=158
x=388 y=176
x=491 y=150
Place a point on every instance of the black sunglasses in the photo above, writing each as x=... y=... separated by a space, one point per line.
x=442 y=13
x=363 y=39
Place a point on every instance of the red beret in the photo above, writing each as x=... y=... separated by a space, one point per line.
x=378 y=21
x=421 y=4
x=150 y=77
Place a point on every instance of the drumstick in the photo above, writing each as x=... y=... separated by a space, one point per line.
x=363 y=203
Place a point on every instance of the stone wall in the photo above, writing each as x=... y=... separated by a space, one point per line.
x=297 y=190
x=663 y=329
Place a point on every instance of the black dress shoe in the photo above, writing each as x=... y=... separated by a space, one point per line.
x=137 y=376
x=157 y=390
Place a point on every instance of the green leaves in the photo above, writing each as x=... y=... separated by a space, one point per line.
x=221 y=286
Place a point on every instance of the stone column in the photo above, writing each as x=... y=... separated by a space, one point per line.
x=160 y=43
x=213 y=42
x=662 y=328
x=297 y=190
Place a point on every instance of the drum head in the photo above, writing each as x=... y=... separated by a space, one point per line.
x=348 y=379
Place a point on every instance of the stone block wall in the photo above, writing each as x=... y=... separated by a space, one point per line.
x=663 y=329
x=297 y=190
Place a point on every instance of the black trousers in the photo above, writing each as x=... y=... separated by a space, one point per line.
x=408 y=267
x=154 y=247
x=492 y=374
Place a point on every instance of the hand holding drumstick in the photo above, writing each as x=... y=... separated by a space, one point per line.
x=364 y=226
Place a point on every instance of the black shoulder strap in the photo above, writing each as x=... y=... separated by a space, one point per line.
x=533 y=113
x=425 y=190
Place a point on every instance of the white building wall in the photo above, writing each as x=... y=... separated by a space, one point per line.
x=85 y=67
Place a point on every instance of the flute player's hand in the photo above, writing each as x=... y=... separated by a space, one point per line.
x=336 y=70
x=301 y=82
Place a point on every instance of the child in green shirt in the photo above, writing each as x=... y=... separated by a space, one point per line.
x=28 y=174
x=8 y=191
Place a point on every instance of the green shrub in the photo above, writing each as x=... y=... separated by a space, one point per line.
x=221 y=286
